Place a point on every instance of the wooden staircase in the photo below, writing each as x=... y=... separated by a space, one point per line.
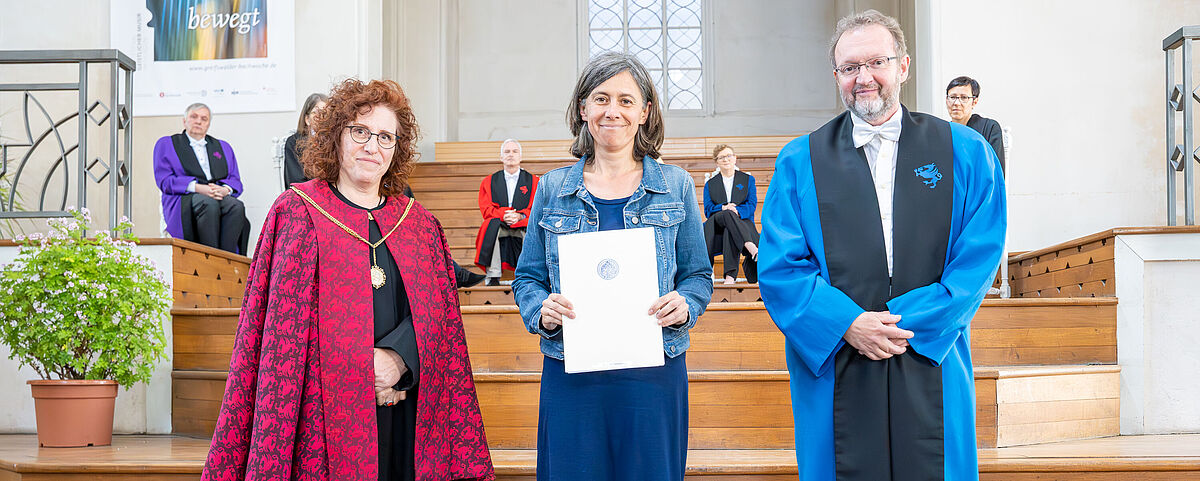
x=450 y=190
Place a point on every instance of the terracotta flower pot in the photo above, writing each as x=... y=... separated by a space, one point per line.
x=74 y=413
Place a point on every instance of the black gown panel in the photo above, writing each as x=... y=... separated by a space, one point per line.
x=394 y=330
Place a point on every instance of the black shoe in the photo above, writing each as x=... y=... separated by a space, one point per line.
x=465 y=278
x=468 y=278
x=750 y=269
x=492 y=281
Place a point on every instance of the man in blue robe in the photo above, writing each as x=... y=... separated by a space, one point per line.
x=199 y=179
x=882 y=231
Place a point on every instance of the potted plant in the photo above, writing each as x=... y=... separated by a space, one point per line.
x=85 y=313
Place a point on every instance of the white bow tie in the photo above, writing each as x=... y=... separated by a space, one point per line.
x=864 y=133
x=203 y=142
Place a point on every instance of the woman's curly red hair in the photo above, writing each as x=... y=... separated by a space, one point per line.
x=321 y=154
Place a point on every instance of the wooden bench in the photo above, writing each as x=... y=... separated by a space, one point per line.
x=489 y=150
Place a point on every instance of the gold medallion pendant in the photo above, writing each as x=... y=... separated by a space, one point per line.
x=377 y=277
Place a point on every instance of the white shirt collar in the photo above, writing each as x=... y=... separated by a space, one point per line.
x=864 y=132
x=201 y=141
x=512 y=175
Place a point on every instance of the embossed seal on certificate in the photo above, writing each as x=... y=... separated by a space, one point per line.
x=608 y=269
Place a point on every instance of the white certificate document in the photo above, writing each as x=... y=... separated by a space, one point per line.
x=611 y=277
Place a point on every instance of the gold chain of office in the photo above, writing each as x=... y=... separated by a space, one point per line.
x=378 y=278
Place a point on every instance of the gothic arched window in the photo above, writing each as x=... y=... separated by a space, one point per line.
x=664 y=34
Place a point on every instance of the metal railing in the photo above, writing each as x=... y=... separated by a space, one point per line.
x=38 y=162
x=1181 y=98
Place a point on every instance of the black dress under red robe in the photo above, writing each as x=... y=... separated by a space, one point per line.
x=299 y=401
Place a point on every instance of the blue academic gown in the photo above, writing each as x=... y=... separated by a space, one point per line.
x=813 y=314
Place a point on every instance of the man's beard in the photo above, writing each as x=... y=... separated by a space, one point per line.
x=873 y=110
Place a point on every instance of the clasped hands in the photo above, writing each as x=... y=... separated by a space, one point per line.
x=511 y=217
x=876 y=336
x=730 y=206
x=216 y=191
x=670 y=310
x=389 y=368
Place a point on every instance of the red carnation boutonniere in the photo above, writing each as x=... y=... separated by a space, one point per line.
x=524 y=189
x=217 y=154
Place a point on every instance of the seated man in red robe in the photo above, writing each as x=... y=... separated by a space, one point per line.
x=504 y=201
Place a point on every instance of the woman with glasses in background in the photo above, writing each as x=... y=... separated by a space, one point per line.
x=730 y=199
x=961 y=97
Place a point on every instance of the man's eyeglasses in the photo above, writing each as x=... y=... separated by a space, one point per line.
x=959 y=99
x=726 y=157
x=848 y=70
x=362 y=134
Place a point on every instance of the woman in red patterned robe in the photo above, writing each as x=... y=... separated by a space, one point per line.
x=350 y=361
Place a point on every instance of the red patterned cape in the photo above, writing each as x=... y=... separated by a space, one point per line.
x=299 y=402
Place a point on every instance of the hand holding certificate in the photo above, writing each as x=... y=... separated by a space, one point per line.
x=611 y=278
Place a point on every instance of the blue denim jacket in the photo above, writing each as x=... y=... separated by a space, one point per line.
x=665 y=200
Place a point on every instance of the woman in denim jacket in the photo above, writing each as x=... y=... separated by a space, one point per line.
x=629 y=423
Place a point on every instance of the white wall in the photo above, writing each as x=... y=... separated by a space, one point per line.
x=1156 y=279
x=1080 y=83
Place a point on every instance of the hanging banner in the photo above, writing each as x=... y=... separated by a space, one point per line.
x=237 y=56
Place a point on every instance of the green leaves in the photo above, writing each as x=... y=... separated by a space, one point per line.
x=73 y=307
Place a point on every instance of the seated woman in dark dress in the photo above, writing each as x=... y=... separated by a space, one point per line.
x=730 y=198
x=293 y=172
x=336 y=365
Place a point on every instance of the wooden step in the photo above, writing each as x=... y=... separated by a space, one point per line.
x=1040 y=404
x=728 y=410
x=167 y=457
x=752 y=409
x=735 y=335
x=1005 y=332
x=464 y=255
x=702 y=464
x=482 y=295
x=729 y=336
x=1117 y=458
x=733 y=338
x=470 y=218
x=1015 y=332
x=202 y=276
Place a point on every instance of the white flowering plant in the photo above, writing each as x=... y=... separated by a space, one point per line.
x=79 y=307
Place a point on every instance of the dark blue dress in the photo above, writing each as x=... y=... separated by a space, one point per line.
x=613 y=425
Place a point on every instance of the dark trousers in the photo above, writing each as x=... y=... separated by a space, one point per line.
x=732 y=233
x=219 y=223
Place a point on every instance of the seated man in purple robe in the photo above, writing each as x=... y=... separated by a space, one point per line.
x=199 y=180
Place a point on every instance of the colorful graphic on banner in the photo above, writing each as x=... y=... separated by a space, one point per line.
x=237 y=56
x=208 y=29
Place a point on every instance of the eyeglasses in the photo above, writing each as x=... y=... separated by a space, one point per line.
x=848 y=70
x=362 y=134
x=959 y=99
x=726 y=156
